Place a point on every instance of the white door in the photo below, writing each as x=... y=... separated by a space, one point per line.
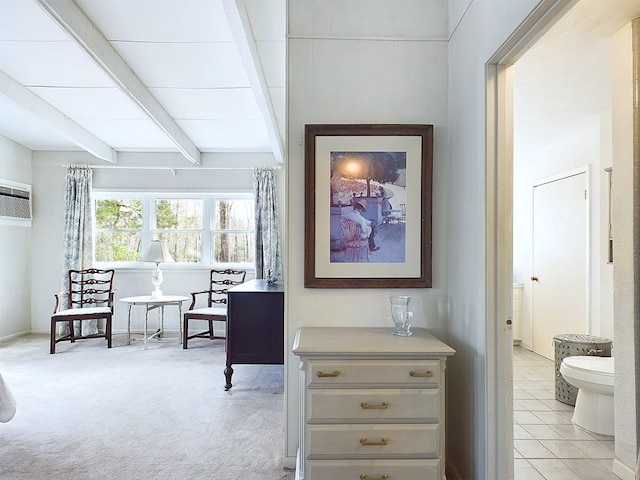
x=560 y=274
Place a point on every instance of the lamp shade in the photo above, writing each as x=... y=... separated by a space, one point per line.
x=157 y=253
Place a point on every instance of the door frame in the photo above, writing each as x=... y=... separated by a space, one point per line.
x=499 y=235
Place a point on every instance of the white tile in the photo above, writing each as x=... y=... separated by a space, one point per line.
x=593 y=469
x=532 y=449
x=526 y=418
x=594 y=449
x=535 y=405
x=519 y=433
x=553 y=418
x=553 y=469
x=571 y=432
x=523 y=470
x=519 y=394
x=543 y=432
x=558 y=406
x=564 y=449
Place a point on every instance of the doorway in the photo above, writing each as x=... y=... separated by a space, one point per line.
x=500 y=155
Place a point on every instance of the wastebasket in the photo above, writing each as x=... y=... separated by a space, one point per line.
x=571 y=345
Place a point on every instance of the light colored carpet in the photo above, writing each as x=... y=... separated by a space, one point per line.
x=92 y=413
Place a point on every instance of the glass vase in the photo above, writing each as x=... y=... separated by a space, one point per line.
x=402 y=313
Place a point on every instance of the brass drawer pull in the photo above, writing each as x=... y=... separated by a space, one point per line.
x=368 y=406
x=335 y=373
x=365 y=442
x=365 y=477
x=428 y=373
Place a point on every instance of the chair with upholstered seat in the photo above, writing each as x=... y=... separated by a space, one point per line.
x=216 y=304
x=89 y=297
x=356 y=249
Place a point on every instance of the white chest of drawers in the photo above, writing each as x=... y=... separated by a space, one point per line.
x=371 y=404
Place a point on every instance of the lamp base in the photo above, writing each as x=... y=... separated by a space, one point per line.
x=156 y=280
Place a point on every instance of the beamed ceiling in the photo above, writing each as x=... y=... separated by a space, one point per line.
x=114 y=76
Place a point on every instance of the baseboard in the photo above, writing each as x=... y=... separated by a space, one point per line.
x=14 y=336
x=289 y=463
x=622 y=471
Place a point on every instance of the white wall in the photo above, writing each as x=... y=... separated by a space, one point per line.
x=485 y=26
x=362 y=62
x=15 y=249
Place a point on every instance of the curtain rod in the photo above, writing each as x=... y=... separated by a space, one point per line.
x=172 y=169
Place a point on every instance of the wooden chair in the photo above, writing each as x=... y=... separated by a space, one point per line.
x=355 y=248
x=216 y=309
x=89 y=297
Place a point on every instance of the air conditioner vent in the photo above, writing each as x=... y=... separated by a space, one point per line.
x=15 y=203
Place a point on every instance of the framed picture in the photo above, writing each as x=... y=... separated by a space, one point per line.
x=368 y=200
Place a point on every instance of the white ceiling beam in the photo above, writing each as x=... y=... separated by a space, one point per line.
x=238 y=19
x=56 y=119
x=80 y=28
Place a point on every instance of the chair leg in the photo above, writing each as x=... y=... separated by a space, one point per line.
x=185 y=332
x=52 y=346
x=210 y=328
x=72 y=332
x=107 y=331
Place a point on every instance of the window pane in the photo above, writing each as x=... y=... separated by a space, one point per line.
x=233 y=248
x=117 y=246
x=179 y=214
x=234 y=215
x=119 y=214
x=183 y=247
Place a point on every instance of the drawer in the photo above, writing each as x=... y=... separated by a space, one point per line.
x=425 y=373
x=373 y=469
x=369 y=441
x=352 y=405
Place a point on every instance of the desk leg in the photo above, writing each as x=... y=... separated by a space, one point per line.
x=180 y=321
x=129 y=326
x=161 y=330
x=146 y=320
x=228 y=372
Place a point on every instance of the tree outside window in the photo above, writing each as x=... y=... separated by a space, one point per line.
x=233 y=231
x=118 y=230
x=178 y=224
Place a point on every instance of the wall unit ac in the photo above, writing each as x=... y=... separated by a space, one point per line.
x=15 y=203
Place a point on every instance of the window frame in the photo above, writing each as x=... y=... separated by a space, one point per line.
x=149 y=228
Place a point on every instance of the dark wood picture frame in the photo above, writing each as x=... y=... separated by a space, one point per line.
x=322 y=142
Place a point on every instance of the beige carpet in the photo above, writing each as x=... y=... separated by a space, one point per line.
x=91 y=413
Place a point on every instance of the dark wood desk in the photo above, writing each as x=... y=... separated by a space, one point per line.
x=255 y=325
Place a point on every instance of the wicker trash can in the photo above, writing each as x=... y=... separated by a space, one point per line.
x=571 y=345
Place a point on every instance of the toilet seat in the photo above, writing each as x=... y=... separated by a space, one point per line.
x=592 y=369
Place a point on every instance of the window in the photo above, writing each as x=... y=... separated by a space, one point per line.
x=197 y=229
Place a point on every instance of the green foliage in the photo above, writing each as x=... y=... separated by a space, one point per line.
x=119 y=214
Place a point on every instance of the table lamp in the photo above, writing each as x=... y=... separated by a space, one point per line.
x=157 y=253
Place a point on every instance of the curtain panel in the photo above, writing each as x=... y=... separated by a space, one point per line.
x=78 y=236
x=267 y=225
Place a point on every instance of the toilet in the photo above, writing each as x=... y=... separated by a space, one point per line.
x=593 y=377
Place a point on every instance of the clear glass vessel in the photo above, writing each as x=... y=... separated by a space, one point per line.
x=402 y=313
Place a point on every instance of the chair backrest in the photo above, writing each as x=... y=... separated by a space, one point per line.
x=91 y=287
x=221 y=281
x=350 y=230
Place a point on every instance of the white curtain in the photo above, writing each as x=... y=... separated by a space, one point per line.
x=78 y=238
x=267 y=224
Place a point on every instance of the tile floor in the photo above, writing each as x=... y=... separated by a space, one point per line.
x=547 y=446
